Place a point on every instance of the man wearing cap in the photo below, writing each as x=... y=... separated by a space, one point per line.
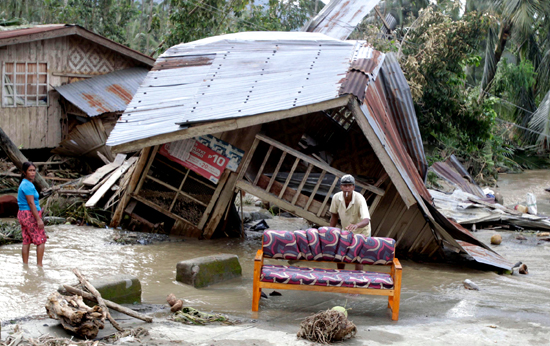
x=351 y=208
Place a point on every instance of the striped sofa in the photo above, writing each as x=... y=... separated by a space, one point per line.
x=327 y=244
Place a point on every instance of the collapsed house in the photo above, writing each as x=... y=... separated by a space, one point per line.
x=289 y=113
x=92 y=107
x=38 y=60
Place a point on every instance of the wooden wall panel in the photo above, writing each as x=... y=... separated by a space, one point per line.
x=41 y=127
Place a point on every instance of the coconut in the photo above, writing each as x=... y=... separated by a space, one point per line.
x=341 y=309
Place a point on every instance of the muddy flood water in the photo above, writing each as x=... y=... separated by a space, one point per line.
x=435 y=307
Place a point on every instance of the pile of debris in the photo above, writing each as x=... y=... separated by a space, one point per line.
x=10 y=233
x=82 y=320
x=87 y=200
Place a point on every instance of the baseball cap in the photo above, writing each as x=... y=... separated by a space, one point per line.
x=347 y=179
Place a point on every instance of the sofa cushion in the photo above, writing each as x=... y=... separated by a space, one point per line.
x=328 y=244
x=325 y=277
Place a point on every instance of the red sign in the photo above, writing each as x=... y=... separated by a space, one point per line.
x=201 y=160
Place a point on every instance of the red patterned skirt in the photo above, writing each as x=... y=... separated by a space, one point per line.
x=29 y=227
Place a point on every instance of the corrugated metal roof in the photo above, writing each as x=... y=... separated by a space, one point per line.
x=339 y=18
x=234 y=76
x=110 y=92
x=400 y=101
x=452 y=171
x=485 y=256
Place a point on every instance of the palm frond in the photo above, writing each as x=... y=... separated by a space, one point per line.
x=490 y=67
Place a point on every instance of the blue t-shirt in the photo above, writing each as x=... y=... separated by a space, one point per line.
x=27 y=189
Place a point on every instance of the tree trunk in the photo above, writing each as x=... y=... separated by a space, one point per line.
x=15 y=155
x=491 y=70
x=149 y=27
x=74 y=315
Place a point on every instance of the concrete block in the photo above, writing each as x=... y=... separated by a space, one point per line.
x=208 y=270
x=121 y=289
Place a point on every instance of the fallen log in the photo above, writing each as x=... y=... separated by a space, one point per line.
x=75 y=316
x=109 y=304
x=99 y=299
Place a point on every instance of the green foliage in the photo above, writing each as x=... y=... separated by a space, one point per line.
x=75 y=211
x=192 y=20
x=10 y=232
x=436 y=53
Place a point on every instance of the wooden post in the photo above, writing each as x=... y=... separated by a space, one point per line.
x=15 y=155
x=117 y=216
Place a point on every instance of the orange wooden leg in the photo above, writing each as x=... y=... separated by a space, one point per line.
x=256 y=290
x=397 y=291
x=256 y=295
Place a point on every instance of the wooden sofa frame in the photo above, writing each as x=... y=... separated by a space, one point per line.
x=393 y=294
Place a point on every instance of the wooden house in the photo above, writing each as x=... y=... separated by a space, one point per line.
x=305 y=109
x=38 y=59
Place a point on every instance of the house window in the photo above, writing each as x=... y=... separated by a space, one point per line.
x=24 y=84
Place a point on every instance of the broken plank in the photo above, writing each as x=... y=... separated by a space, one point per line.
x=112 y=180
x=102 y=171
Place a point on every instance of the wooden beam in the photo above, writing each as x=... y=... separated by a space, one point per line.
x=221 y=183
x=322 y=165
x=383 y=19
x=258 y=192
x=231 y=124
x=244 y=166
x=105 y=187
x=289 y=177
x=329 y=193
x=146 y=169
x=302 y=183
x=380 y=151
x=161 y=210
x=93 y=179
x=260 y=171
x=274 y=175
x=222 y=203
x=18 y=159
x=314 y=192
x=289 y=194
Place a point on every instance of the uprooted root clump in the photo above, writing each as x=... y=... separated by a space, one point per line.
x=327 y=326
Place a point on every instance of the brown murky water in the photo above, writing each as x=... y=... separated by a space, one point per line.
x=433 y=298
x=514 y=188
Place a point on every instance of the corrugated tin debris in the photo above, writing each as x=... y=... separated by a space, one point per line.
x=398 y=95
x=339 y=18
x=106 y=93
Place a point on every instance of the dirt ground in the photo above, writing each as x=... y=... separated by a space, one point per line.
x=435 y=309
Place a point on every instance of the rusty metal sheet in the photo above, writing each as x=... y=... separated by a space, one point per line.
x=462 y=179
x=339 y=18
x=110 y=92
x=377 y=107
x=485 y=256
x=398 y=95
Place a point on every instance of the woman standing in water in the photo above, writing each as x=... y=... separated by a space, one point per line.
x=30 y=215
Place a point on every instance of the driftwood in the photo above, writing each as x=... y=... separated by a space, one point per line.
x=109 y=304
x=75 y=316
x=100 y=301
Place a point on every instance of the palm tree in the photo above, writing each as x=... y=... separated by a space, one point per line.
x=516 y=19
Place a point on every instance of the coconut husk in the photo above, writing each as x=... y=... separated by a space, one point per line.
x=326 y=327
